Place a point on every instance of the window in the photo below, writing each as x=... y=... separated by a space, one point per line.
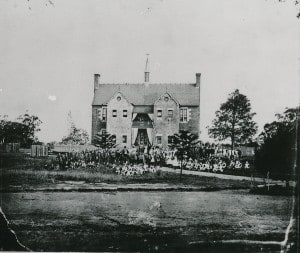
x=159 y=113
x=170 y=113
x=104 y=111
x=114 y=113
x=183 y=115
x=99 y=113
x=119 y=98
x=103 y=131
x=158 y=139
x=125 y=113
x=124 y=138
x=170 y=139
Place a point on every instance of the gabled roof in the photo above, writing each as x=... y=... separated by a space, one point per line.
x=146 y=94
x=116 y=94
x=169 y=95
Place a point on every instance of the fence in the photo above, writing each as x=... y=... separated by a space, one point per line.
x=241 y=151
x=60 y=148
x=39 y=150
x=10 y=147
x=246 y=151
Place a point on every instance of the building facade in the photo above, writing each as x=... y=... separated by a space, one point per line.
x=139 y=114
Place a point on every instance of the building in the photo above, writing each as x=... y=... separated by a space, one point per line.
x=145 y=112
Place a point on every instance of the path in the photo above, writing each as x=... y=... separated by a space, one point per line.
x=222 y=176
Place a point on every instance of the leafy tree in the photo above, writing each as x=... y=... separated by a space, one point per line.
x=22 y=131
x=234 y=120
x=32 y=126
x=277 y=152
x=185 y=144
x=77 y=136
x=105 y=140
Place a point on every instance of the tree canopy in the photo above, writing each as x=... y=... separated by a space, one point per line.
x=278 y=152
x=184 y=143
x=234 y=120
x=23 y=130
x=105 y=140
x=77 y=136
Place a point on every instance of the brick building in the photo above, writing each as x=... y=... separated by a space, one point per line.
x=146 y=112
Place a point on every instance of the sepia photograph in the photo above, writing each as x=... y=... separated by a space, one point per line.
x=149 y=126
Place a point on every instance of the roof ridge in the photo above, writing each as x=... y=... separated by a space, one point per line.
x=140 y=94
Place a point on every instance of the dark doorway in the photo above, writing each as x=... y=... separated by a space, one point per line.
x=142 y=137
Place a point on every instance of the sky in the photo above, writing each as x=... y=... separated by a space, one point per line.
x=49 y=54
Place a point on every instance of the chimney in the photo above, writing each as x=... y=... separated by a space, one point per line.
x=198 y=77
x=96 y=81
x=147 y=73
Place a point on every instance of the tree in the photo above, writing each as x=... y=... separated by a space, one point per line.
x=32 y=126
x=184 y=143
x=234 y=120
x=105 y=140
x=77 y=136
x=277 y=153
x=22 y=131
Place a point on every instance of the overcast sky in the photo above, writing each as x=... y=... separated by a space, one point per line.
x=48 y=54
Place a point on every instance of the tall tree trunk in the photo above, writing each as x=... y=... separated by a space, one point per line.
x=232 y=142
x=181 y=165
x=232 y=130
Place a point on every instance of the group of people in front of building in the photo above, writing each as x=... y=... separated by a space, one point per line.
x=146 y=159
x=124 y=156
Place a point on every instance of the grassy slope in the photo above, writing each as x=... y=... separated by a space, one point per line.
x=24 y=171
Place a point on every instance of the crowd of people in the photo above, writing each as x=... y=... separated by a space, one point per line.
x=152 y=157
x=141 y=160
x=217 y=165
x=135 y=169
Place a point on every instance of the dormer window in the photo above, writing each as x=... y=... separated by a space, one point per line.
x=159 y=113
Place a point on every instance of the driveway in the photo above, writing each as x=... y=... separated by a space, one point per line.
x=223 y=176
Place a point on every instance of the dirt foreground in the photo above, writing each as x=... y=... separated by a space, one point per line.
x=170 y=221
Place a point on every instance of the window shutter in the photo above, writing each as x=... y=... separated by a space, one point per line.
x=99 y=113
x=189 y=114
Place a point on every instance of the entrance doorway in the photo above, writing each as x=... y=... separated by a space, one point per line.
x=142 y=137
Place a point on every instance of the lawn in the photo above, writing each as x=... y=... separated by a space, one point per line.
x=20 y=171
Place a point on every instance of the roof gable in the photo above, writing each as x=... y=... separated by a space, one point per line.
x=118 y=94
x=169 y=96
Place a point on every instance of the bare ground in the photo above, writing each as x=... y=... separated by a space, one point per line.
x=145 y=221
